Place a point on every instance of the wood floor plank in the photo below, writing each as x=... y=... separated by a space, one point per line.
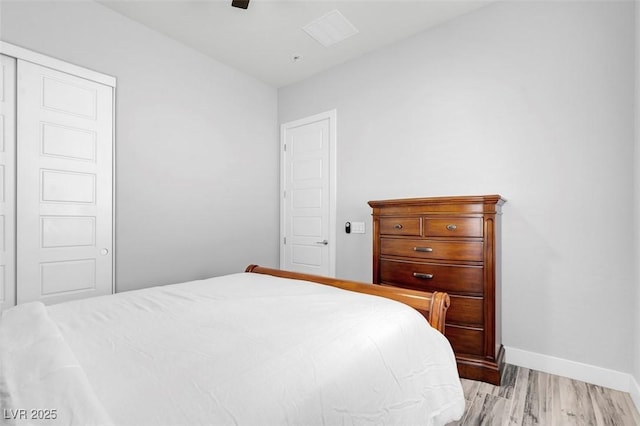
x=495 y=410
x=539 y=400
x=635 y=414
x=509 y=376
x=516 y=409
x=608 y=408
x=472 y=413
x=571 y=403
x=623 y=405
x=491 y=411
x=470 y=388
x=530 y=397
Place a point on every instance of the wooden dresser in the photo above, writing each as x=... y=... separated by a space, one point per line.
x=448 y=244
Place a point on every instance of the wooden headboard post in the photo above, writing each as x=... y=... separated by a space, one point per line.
x=438 y=310
x=434 y=304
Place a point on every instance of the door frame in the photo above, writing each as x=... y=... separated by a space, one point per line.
x=18 y=52
x=8 y=125
x=332 y=232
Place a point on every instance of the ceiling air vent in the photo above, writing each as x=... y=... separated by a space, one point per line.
x=330 y=28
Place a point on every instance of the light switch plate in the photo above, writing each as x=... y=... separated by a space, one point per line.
x=357 y=228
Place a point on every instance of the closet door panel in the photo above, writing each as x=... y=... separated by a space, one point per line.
x=65 y=193
x=7 y=181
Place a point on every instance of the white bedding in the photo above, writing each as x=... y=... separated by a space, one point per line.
x=244 y=349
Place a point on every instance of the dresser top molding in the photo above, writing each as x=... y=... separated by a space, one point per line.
x=495 y=200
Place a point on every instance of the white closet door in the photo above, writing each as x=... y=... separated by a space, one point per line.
x=65 y=191
x=7 y=181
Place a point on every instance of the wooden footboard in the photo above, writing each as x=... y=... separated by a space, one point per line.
x=432 y=305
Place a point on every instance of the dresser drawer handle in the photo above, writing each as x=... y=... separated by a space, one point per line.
x=397 y=226
x=423 y=249
x=423 y=276
x=451 y=227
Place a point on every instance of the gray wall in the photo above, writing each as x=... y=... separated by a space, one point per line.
x=197 y=181
x=531 y=100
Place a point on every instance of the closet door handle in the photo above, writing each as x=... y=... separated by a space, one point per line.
x=323 y=242
x=423 y=276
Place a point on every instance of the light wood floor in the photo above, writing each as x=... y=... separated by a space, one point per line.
x=530 y=397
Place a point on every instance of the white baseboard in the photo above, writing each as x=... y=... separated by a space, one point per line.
x=575 y=370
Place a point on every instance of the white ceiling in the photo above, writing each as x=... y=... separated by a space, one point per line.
x=263 y=39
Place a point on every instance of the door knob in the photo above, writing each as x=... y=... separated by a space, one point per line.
x=323 y=242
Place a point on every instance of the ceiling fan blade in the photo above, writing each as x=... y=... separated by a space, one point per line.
x=242 y=4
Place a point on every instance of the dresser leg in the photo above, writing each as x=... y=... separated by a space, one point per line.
x=482 y=370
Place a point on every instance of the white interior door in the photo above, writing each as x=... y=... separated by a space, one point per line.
x=7 y=181
x=308 y=195
x=64 y=187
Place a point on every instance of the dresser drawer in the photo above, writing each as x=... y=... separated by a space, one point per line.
x=466 y=310
x=410 y=226
x=460 y=279
x=453 y=227
x=465 y=340
x=429 y=249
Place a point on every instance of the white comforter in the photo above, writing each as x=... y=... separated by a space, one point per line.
x=244 y=349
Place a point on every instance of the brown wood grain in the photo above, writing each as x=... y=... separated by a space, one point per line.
x=449 y=244
x=410 y=226
x=430 y=249
x=453 y=227
x=433 y=304
x=458 y=279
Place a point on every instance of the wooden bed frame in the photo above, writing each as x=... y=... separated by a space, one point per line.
x=432 y=305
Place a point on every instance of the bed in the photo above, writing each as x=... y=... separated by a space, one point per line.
x=260 y=347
